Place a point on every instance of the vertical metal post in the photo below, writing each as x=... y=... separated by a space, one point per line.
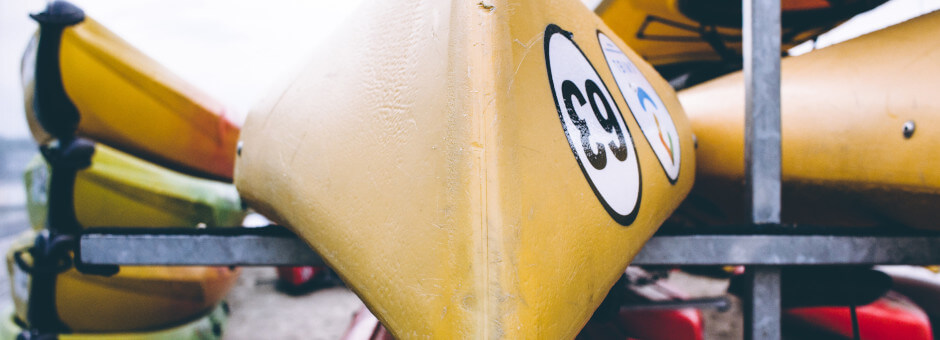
x=761 y=39
x=761 y=44
x=762 y=313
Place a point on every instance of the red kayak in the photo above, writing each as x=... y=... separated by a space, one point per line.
x=680 y=324
x=893 y=316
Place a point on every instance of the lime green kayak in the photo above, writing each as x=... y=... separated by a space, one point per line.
x=121 y=190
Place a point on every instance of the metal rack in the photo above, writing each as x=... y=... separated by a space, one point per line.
x=764 y=255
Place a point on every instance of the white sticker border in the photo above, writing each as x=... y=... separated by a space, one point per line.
x=672 y=180
x=624 y=220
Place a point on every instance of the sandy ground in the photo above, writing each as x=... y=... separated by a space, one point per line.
x=259 y=311
x=726 y=325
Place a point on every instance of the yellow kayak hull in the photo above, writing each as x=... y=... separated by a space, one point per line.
x=119 y=190
x=668 y=32
x=135 y=299
x=846 y=159
x=437 y=158
x=134 y=104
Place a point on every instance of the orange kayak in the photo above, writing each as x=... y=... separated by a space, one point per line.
x=130 y=102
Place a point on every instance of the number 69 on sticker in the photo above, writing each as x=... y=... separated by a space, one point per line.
x=594 y=126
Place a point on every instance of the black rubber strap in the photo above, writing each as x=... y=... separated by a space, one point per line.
x=56 y=113
x=54 y=110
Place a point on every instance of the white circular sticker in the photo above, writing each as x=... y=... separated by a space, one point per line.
x=596 y=131
x=648 y=110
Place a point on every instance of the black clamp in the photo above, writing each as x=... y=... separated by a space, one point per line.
x=53 y=248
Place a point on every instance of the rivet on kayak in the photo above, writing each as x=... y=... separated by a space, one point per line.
x=238 y=151
x=909 y=129
x=695 y=141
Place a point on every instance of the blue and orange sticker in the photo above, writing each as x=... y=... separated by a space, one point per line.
x=647 y=108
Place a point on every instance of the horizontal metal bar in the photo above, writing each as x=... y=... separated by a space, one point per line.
x=789 y=250
x=720 y=303
x=196 y=250
x=261 y=248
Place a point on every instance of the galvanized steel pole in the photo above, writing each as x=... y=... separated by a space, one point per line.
x=762 y=106
x=761 y=44
x=762 y=303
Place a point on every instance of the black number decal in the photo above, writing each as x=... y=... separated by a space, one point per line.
x=569 y=89
x=608 y=121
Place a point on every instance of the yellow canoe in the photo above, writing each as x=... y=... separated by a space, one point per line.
x=134 y=104
x=120 y=190
x=685 y=31
x=472 y=169
x=846 y=157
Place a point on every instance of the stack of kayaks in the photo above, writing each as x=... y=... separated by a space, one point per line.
x=859 y=134
x=472 y=169
x=120 y=190
x=678 y=36
x=128 y=102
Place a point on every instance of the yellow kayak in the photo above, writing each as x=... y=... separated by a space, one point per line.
x=668 y=32
x=859 y=122
x=136 y=299
x=472 y=169
x=134 y=104
x=207 y=327
x=120 y=190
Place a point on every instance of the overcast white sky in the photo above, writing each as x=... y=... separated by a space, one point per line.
x=234 y=49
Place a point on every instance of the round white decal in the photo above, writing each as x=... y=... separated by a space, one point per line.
x=648 y=110
x=596 y=132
